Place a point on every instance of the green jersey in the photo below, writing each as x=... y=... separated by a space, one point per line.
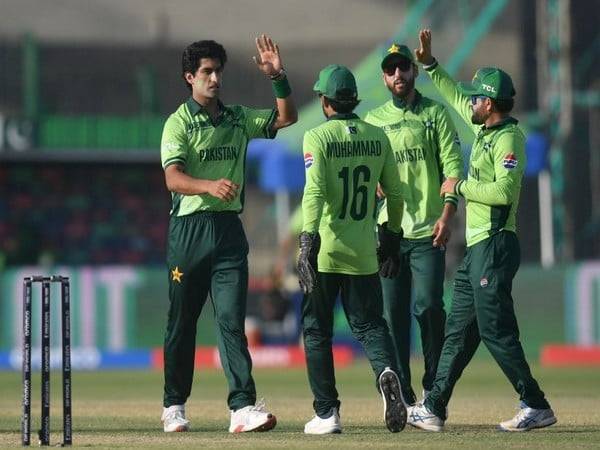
x=426 y=149
x=345 y=158
x=212 y=151
x=496 y=166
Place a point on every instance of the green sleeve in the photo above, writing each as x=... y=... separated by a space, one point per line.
x=509 y=165
x=448 y=88
x=449 y=150
x=174 y=143
x=259 y=122
x=316 y=184
x=295 y=223
x=390 y=181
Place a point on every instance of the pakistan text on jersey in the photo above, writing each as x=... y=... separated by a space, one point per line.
x=410 y=155
x=474 y=172
x=348 y=149
x=219 y=153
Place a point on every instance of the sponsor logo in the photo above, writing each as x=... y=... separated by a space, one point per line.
x=487 y=87
x=510 y=161
x=308 y=160
x=170 y=146
x=483 y=282
x=351 y=129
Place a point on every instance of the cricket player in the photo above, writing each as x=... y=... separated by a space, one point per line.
x=482 y=307
x=345 y=158
x=426 y=149
x=203 y=154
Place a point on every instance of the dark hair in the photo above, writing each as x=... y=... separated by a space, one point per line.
x=345 y=103
x=504 y=105
x=343 y=107
x=193 y=53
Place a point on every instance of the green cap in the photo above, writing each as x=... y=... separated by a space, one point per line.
x=490 y=82
x=337 y=83
x=397 y=51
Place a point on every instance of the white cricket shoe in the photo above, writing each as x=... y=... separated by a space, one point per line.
x=330 y=425
x=173 y=419
x=394 y=409
x=528 y=419
x=426 y=394
x=252 y=418
x=419 y=416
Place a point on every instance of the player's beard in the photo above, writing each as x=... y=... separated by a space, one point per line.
x=478 y=118
x=402 y=92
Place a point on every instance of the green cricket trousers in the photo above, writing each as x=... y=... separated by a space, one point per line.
x=362 y=303
x=422 y=270
x=207 y=255
x=482 y=310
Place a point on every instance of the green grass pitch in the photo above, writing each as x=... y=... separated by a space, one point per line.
x=122 y=410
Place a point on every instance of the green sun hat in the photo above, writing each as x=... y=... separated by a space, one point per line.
x=490 y=82
x=337 y=83
x=397 y=51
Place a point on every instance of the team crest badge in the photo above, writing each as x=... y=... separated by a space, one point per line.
x=483 y=282
x=510 y=161
x=351 y=129
x=308 y=160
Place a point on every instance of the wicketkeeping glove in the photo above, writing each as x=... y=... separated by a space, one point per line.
x=388 y=251
x=310 y=243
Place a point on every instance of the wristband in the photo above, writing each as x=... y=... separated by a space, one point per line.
x=431 y=66
x=457 y=187
x=281 y=87
x=278 y=76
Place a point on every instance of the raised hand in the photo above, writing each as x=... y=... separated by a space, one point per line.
x=268 y=59
x=423 y=53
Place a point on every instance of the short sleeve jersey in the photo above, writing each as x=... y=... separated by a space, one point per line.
x=496 y=167
x=212 y=151
x=426 y=149
x=345 y=158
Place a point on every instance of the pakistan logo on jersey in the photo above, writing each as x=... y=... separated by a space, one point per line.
x=510 y=161
x=351 y=129
x=308 y=160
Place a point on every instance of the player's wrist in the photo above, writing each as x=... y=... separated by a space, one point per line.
x=279 y=75
x=281 y=85
x=430 y=64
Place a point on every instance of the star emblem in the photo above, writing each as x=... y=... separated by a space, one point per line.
x=429 y=123
x=394 y=49
x=176 y=274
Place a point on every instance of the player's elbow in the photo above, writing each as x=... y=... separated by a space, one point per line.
x=171 y=186
x=289 y=119
x=504 y=197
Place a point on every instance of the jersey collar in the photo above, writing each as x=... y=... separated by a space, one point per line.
x=401 y=104
x=343 y=116
x=502 y=123
x=196 y=107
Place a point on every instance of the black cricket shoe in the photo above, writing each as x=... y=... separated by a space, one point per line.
x=394 y=409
